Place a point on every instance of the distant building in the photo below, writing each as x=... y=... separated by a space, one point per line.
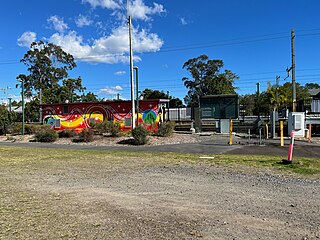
x=315 y=104
x=80 y=115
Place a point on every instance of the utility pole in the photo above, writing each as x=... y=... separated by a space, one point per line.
x=294 y=100
x=133 y=122
x=277 y=88
x=258 y=100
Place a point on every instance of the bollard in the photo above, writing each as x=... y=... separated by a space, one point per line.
x=290 y=152
x=309 y=133
x=230 y=132
x=267 y=131
x=260 y=141
x=281 y=134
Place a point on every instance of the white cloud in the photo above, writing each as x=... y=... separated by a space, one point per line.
x=138 y=10
x=109 y=4
x=111 y=90
x=120 y=73
x=26 y=39
x=135 y=8
x=58 y=23
x=83 y=21
x=183 y=21
x=109 y=49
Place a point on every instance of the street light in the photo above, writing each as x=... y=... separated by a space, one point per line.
x=22 y=101
x=137 y=92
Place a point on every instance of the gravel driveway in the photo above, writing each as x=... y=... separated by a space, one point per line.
x=134 y=200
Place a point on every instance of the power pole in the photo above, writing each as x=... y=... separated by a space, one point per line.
x=258 y=100
x=294 y=100
x=133 y=112
x=277 y=88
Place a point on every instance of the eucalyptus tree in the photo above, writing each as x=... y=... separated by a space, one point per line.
x=207 y=79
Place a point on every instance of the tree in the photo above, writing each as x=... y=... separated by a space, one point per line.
x=65 y=93
x=207 y=79
x=89 y=97
x=47 y=64
x=312 y=86
x=7 y=118
x=156 y=94
x=269 y=101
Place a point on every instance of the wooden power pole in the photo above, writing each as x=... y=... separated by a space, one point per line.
x=294 y=100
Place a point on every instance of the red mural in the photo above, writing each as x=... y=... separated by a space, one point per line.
x=78 y=116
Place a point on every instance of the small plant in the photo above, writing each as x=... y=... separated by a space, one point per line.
x=110 y=127
x=86 y=135
x=67 y=133
x=166 y=129
x=114 y=129
x=140 y=135
x=28 y=128
x=46 y=134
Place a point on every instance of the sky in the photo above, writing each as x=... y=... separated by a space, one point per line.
x=252 y=37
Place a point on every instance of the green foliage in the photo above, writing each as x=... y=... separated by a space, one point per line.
x=140 y=135
x=86 y=135
x=207 y=79
x=166 y=129
x=89 y=97
x=67 y=133
x=44 y=133
x=7 y=119
x=28 y=128
x=156 y=94
x=110 y=127
x=312 y=86
x=48 y=66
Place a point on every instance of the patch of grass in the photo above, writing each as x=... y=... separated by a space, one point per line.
x=25 y=158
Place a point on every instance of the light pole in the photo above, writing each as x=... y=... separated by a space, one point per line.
x=137 y=91
x=10 y=103
x=22 y=101
x=133 y=121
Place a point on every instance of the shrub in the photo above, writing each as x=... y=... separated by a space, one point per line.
x=166 y=129
x=86 y=135
x=67 y=133
x=45 y=134
x=28 y=128
x=140 y=135
x=114 y=129
x=110 y=127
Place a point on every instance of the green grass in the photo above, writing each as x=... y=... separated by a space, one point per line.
x=23 y=159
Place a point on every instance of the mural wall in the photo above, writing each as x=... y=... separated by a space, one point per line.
x=78 y=116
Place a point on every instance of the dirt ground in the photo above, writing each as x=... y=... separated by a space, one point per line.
x=136 y=199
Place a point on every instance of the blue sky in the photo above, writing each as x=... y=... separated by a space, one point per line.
x=252 y=37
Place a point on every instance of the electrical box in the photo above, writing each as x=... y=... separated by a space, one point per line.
x=296 y=122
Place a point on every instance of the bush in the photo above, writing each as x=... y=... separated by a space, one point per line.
x=67 y=133
x=86 y=135
x=166 y=129
x=140 y=135
x=46 y=134
x=110 y=127
x=28 y=128
x=114 y=129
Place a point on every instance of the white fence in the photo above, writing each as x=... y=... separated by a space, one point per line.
x=179 y=114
